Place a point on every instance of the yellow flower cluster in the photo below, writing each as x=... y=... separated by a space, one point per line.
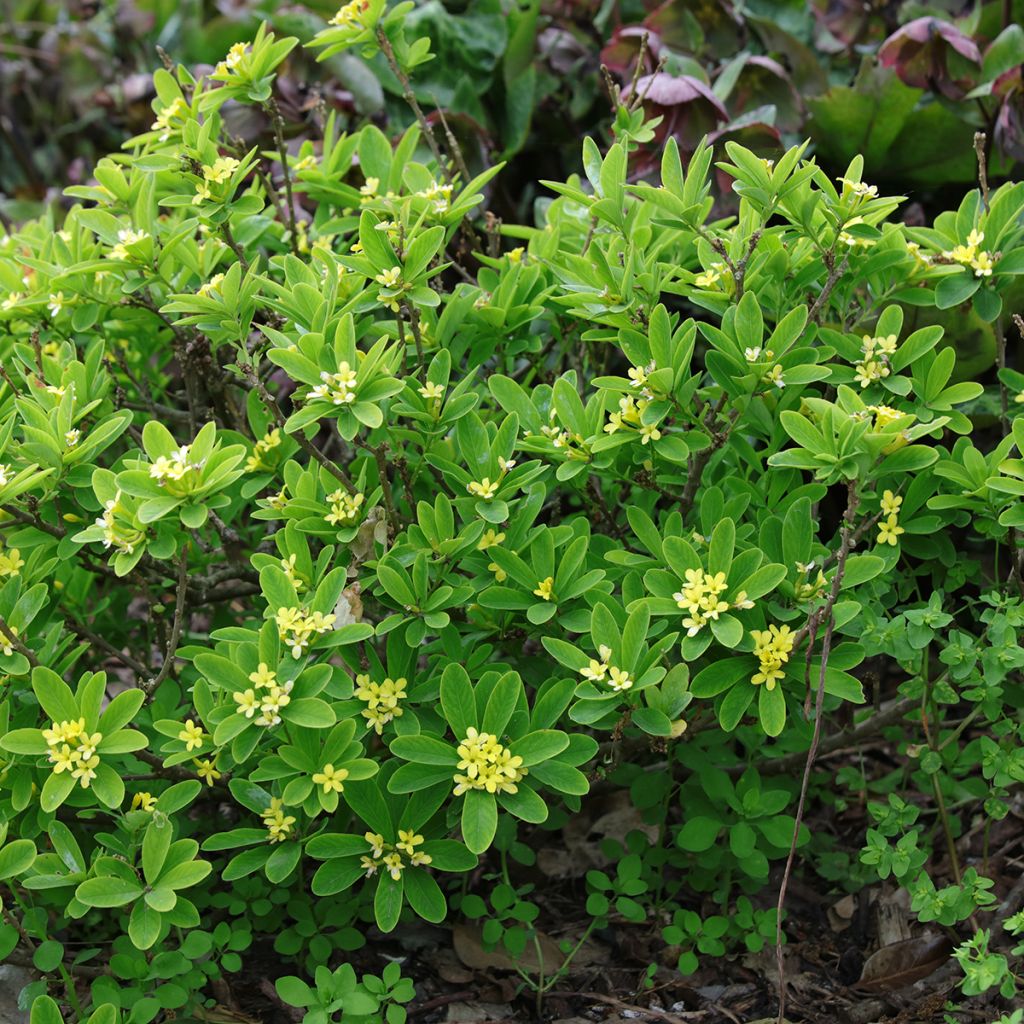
x=604 y=672
x=971 y=256
x=337 y=388
x=288 y=568
x=71 y=749
x=389 y=857
x=331 y=778
x=279 y=824
x=118 y=535
x=889 y=529
x=233 y=58
x=859 y=189
x=491 y=539
x=440 y=196
x=773 y=647
x=11 y=562
x=485 y=764
x=125 y=237
x=344 y=507
x=701 y=597
x=217 y=173
x=263 y=446
x=174 y=468
x=297 y=629
x=630 y=414
x=178 y=108
x=545 y=588
x=351 y=15
x=874 y=361
x=266 y=696
x=381 y=699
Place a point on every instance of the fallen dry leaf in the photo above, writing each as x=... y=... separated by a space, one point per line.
x=902 y=963
x=468 y=943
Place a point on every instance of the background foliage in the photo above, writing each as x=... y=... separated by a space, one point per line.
x=415 y=438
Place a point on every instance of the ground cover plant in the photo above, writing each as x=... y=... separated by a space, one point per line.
x=351 y=559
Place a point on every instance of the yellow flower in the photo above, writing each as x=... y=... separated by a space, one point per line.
x=11 y=562
x=484 y=489
x=710 y=278
x=369 y=866
x=619 y=679
x=649 y=432
x=376 y=842
x=516 y=255
x=331 y=778
x=206 y=771
x=889 y=531
x=192 y=735
x=207 y=289
x=490 y=538
x=64 y=759
x=390 y=277
x=85 y=770
x=393 y=862
x=408 y=840
x=248 y=703
x=982 y=264
x=263 y=676
x=143 y=802
x=891 y=503
x=544 y=588
x=595 y=671
x=432 y=392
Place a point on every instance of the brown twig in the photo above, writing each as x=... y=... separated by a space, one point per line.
x=150 y=686
x=304 y=443
x=650 y=1011
x=835 y=271
x=980 y=140
x=274 y=113
x=410 y=97
x=12 y=638
x=824 y=615
x=82 y=630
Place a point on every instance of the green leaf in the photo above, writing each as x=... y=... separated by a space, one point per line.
x=955 y=289
x=720 y=675
x=539 y=746
x=387 y=902
x=771 y=707
x=479 y=819
x=424 y=895
x=108 y=891
x=458 y=700
x=16 y=858
x=698 y=834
